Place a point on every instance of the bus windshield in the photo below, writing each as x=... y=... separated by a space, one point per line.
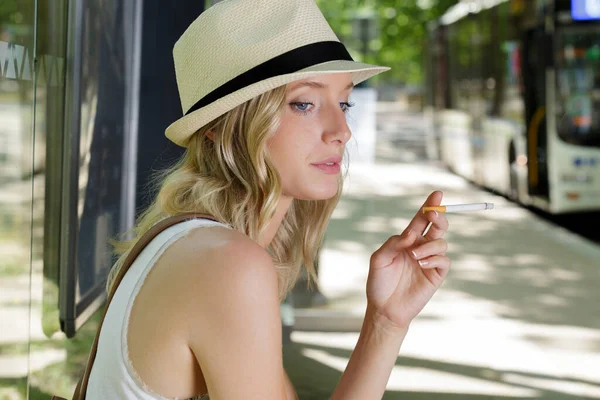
x=578 y=86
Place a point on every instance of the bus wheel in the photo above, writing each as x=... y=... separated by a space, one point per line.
x=513 y=174
x=513 y=190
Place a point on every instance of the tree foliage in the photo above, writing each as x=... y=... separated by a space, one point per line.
x=401 y=32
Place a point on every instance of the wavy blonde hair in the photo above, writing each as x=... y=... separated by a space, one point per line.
x=232 y=178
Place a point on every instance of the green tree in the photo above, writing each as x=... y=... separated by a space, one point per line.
x=401 y=32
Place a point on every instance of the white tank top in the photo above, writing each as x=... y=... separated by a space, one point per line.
x=112 y=376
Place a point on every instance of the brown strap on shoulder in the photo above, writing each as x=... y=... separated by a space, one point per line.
x=133 y=253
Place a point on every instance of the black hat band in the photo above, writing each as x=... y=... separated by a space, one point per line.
x=286 y=63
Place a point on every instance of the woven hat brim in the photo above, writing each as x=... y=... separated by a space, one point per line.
x=181 y=130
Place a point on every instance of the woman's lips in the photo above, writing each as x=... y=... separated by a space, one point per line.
x=328 y=168
x=329 y=165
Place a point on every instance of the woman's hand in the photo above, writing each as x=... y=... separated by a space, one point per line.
x=407 y=269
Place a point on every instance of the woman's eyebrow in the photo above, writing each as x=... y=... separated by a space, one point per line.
x=317 y=85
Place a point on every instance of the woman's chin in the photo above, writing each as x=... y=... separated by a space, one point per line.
x=314 y=193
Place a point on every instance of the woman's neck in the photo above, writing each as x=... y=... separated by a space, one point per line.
x=269 y=234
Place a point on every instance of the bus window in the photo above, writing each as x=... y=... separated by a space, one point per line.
x=578 y=83
x=455 y=69
x=461 y=64
x=440 y=69
x=480 y=47
x=489 y=34
x=510 y=88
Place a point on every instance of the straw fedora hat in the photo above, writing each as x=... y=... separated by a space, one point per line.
x=239 y=49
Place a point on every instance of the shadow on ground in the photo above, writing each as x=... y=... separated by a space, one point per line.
x=500 y=256
x=315 y=381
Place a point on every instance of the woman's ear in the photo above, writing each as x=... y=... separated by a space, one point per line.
x=210 y=134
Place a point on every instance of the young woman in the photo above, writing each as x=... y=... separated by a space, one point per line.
x=264 y=86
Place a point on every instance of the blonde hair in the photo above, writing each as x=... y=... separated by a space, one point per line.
x=231 y=177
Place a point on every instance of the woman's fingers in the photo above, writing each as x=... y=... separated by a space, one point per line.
x=427 y=249
x=438 y=264
x=435 y=262
x=420 y=220
x=439 y=225
x=390 y=249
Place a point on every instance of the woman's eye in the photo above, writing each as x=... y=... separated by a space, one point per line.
x=301 y=107
x=305 y=107
x=346 y=106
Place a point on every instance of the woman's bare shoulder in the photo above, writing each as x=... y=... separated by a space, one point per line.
x=216 y=260
x=219 y=245
x=224 y=295
x=233 y=319
x=216 y=291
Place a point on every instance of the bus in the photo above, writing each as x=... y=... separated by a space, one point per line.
x=513 y=96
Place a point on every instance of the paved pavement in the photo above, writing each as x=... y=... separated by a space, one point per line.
x=517 y=318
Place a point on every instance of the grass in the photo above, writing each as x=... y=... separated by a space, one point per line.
x=13 y=269
x=61 y=378
x=56 y=379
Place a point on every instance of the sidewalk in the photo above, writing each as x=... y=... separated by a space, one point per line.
x=517 y=317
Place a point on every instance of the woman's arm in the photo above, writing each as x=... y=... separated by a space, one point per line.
x=375 y=354
x=234 y=322
x=289 y=391
x=403 y=275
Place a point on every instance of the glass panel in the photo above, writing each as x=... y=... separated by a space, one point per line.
x=55 y=362
x=51 y=50
x=101 y=144
x=578 y=96
x=94 y=211
x=34 y=357
x=16 y=170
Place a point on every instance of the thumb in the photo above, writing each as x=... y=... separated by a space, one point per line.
x=392 y=247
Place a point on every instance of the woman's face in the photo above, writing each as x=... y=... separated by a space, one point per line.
x=307 y=148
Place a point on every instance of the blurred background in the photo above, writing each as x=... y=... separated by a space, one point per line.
x=487 y=100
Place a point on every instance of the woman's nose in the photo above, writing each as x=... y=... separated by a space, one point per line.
x=336 y=128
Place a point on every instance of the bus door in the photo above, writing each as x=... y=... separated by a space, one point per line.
x=536 y=50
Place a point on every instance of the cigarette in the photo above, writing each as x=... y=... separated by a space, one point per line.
x=459 y=207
